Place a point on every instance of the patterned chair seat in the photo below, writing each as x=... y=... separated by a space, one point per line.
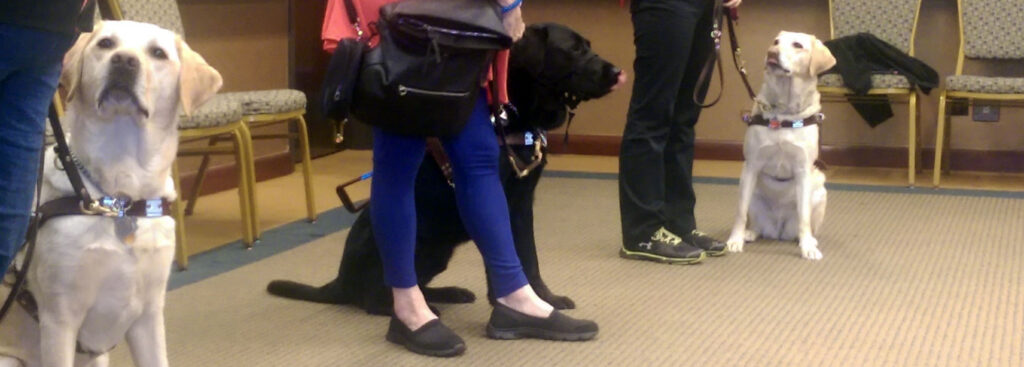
x=877 y=81
x=984 y=84
x=270 y=101
x=219 y=111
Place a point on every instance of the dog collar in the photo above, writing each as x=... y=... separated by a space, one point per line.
x=776 y=124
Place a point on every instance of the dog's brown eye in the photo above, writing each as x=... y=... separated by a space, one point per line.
x=158 y=53
x=105 y=43
x=797 y=45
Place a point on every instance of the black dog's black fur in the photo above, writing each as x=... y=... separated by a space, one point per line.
x=550 y=68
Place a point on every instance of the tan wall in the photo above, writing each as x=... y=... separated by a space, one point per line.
x=610 y=31
x=247 y=42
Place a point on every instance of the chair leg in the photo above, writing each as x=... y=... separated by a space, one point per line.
x=250 y=177
x=940 y=139
x=241 y=160
x=912 y=139
x=919 y=153
x=307 y=169
x=200 y=178
x=181 y=251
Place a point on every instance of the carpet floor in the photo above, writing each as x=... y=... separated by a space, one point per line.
x=909 y=278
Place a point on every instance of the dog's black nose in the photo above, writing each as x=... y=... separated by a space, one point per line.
x=773 y=55
x=125 y=60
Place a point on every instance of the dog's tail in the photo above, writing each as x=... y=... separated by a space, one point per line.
x=328 y=293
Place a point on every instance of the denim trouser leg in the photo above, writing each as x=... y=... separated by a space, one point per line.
x=30 y=63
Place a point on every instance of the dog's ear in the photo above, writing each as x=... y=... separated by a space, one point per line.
x=529 y=51
x=71 y=75
x=198 y=81
x=821 y=58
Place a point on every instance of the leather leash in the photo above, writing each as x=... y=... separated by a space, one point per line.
x=729 y=18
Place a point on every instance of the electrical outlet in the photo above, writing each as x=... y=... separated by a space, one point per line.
x=986 y=112
x=957 y=107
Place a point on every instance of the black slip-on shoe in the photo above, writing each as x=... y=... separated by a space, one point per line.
x=710 y=245
x=507 y=323
x=663 y=247
x=432 y=339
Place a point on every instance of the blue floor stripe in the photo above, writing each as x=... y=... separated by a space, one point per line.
x=274 y=241
x=286 y=237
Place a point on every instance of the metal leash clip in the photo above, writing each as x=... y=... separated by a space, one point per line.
x=108 y=206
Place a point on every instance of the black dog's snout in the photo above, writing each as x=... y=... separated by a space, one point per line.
x=123 y=60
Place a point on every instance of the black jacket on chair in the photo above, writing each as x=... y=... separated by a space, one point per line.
x=861 y=55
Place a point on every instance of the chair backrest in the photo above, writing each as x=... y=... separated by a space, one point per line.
x=893 y=21
x=163 y=13
x=991 y=29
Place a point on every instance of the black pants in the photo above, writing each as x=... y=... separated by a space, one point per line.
x=673 y=42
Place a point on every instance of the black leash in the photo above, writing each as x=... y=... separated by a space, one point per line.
x=716 y=59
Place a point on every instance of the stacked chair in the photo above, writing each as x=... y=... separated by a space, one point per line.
x=986 y=33
x=894 y=22
x=227 y=115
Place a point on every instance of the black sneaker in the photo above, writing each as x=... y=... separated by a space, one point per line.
x=664 y=247
x=507 y=323
x=710 y=245
x=432 y=339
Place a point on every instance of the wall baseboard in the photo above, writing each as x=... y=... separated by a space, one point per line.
x=855 y=156
x=225 y=177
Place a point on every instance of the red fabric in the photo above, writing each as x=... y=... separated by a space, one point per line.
x=337 y=27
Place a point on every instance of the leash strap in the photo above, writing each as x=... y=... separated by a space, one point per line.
x=64 y=155
x=715 y=57
x=441 y=157
x=737 y=56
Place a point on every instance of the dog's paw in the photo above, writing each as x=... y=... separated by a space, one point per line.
x=734 y=244
x=448 y=295
x=809 y=248
x=749 y=236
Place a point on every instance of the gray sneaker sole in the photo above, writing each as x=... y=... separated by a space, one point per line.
x=638 y=255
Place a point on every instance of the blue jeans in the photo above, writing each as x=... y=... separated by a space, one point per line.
x=30 y=63
x=478 y=194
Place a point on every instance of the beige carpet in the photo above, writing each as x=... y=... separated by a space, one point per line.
x=907 y=280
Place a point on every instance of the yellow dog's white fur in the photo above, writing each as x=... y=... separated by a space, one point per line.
x=782 y=193
x=93 y=288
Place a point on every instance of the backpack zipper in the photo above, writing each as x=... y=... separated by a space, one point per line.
x=403 y=90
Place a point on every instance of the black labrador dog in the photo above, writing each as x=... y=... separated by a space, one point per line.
x=551 y=69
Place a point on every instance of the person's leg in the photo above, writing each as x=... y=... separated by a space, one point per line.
x=680 y=197
x=519 y=312
x=663 y=34
x=662 y=30
x=396 y=159
x=30 y=63
x=484 y=211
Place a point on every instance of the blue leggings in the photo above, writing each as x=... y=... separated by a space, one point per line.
x=30 y=62
x=478 y=193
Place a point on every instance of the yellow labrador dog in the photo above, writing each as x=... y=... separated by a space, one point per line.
x=96 y=284
x=782 y=192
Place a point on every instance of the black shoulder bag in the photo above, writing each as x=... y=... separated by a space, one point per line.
x=425 y=75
